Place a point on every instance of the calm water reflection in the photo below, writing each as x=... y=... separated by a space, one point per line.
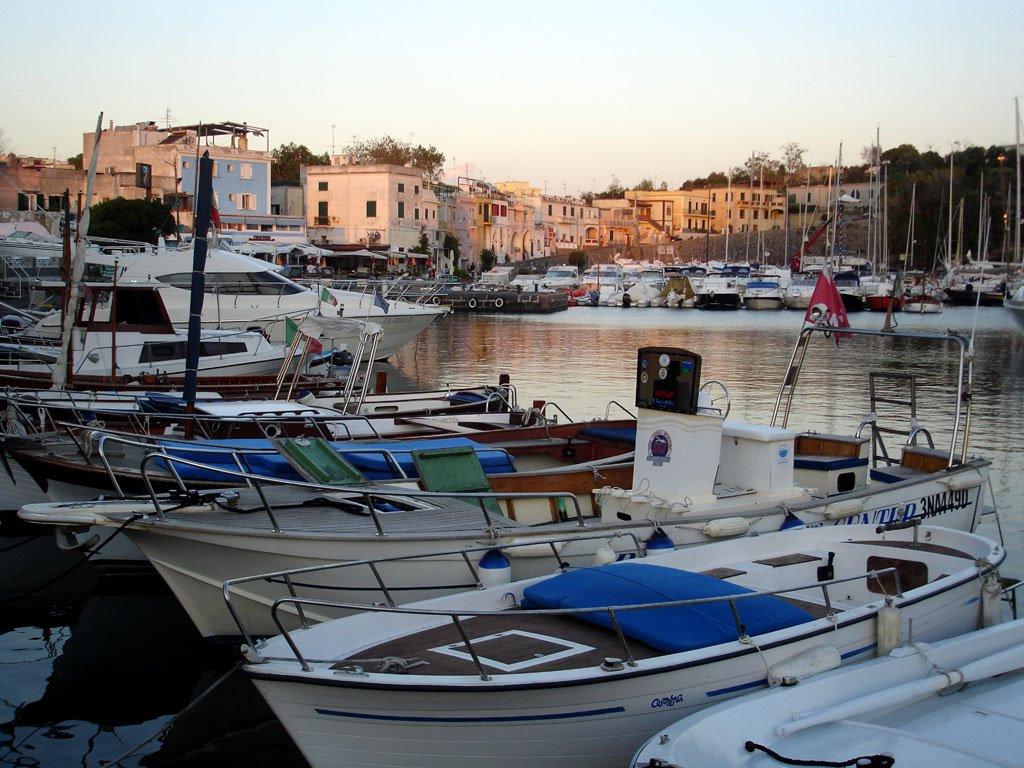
x=93 y=666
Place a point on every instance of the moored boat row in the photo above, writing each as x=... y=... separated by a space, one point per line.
x=794 y=600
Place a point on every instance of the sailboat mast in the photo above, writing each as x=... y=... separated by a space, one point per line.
x=728 y=215
x=981 y=215
x=949 y=227
x=62 y=368
x=1016 y=221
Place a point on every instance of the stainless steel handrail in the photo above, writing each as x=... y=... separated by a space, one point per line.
x=633 y=546
x=610 y=610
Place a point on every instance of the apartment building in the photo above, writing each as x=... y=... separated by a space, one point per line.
x=144 y=161
x=382 y=206
x=33 y=189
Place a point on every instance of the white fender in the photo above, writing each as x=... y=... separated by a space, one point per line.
x=726 y=526
x=841 y=509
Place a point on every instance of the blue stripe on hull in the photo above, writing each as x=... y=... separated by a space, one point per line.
x=509 y=719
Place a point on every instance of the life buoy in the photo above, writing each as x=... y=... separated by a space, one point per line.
x=499 y=303
x=436 y=300
x=471 y=303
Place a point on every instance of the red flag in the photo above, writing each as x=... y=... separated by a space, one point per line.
x=826 y=307
x=215 y=217
x=315 y=347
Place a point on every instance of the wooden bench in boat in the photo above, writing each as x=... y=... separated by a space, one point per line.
x=915 y=461
x=830 y=464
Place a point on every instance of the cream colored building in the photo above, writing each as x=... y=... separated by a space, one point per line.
x=744 y=208
x=372 y=205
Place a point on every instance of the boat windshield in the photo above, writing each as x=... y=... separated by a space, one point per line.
x=264 y=283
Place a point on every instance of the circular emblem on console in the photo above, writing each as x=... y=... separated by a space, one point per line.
x=659 y=448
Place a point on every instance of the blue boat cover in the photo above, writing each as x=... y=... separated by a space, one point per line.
x=675 y=629
x=368 y=458
x=466 y=397
x=622 y=434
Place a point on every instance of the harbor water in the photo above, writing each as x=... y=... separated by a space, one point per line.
x=99 y=666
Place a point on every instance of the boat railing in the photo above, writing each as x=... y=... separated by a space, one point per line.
x=551 y=544
x=616 y=404
x=368 y=491
x=881 y=577
x=96 y=436
x=960 y=433
x=912 y=437
x=162 y=449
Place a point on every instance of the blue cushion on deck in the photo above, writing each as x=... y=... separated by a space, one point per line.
x=676 y=629
x=828 y=463
x=368 y=458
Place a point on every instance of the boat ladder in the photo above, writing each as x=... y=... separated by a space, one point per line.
x=892 y=391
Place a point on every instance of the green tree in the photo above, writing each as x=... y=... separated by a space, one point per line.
x=76 y=161
x=577 y=259
x=451 y=245
x=487 y=259
x=288 y=158
x=423 y=246
x=139 y=220
x=645 y=185
x=615 y=191
x=390 y=151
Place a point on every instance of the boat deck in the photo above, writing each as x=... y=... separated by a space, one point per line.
x=513 y=642
x=327 y=514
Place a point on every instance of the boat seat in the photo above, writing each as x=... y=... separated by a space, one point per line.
x=839 y=446
x=915 y=461
x=317 y=461
x=456 y=470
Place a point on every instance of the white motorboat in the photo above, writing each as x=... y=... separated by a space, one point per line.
x=246 y=293
x=799 y=291
x=976 y=283
x=762 y=295
x=563 y=277
x=719 y=291
x=581 y=667
x=952 y=702
x=123 y=333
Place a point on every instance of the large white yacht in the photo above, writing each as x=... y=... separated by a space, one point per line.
x=246 y=293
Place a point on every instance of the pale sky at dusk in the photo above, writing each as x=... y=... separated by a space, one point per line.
x=563 y=93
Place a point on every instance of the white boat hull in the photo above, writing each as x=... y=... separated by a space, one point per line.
x=762 y=302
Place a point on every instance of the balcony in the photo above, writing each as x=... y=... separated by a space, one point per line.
x=322 y=221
